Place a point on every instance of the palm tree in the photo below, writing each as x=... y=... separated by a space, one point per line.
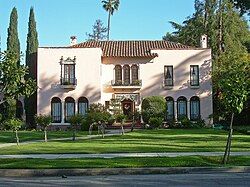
x=110 y=6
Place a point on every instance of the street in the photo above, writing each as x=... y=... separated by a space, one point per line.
x=204 y=180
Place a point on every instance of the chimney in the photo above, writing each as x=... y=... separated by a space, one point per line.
x=73 y=40
x=203 y=41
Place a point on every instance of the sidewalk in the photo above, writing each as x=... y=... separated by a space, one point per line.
x=121 y=155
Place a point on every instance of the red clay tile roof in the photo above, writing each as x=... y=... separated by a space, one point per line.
x=130 y=48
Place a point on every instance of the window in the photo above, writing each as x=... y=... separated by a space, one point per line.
x=181 y=107
x=69 y=74
x=168 y=76
x=194 y=108
x=194 y=75
x=56 y=110
x=126 y=74
x=69 y=108
x=170 y=108
x=118 y=74
x=83 y=105
x=135 y=74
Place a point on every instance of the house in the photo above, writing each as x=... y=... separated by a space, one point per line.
x=71 y=78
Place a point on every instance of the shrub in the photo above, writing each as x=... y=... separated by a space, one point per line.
x=120 y=118
x=153 y=106
x=75 y=121
x=185 y=123
x=43 y=121
x=155 y=122
x=15 y=125
x=96 y=113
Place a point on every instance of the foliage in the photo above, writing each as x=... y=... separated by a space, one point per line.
x=110 y=6
x=96 y=113
x=98 y=32
x=13 y=80
x=153 y=106
x=13 y=44
x=75 y=122
x=155 y=122
x=31 y=50
x=115 y=106
x=243 y=6
x=120 y=118
x=15 y=125
x=43 y=120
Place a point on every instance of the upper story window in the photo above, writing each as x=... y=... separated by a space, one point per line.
x=135 y=74
x=126 y=74
x=194 y=75
x=118 y=74
x=168 y=76
x=68 y=71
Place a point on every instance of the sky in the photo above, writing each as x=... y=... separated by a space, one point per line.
x=57 y=20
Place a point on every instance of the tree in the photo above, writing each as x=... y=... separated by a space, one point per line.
x=15 y=125
x=110 y=6
x=75 y=122
x=234 y=86
x=31 y=50
x=243 y=5
x=12 y=81
x=98 y=32
x=13 y=44
x=44 y=121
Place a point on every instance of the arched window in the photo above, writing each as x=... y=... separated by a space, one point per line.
x=170 y=108
x=126 y=74
x=135 y=74
x=83 y=105
x=69 y=108
x=194 y=108
x=181 y=107
x=56 y=110
x=118 y=75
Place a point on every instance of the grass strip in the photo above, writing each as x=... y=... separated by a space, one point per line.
x=182 y=161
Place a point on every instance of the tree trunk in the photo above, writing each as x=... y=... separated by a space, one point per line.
x=108 y=25
x=17 y=138
x=74 y=135
x=229 y=140
x=45 y=134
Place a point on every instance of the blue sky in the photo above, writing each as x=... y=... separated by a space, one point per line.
x=57 y=20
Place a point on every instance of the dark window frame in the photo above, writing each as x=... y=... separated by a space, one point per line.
x=167 y=79
x=173 y=115
x=66 y=116
x=195 y=82
x=192 y=99
x=54 y=118
x=82 y=100
x=181 y=98
x=118 y=74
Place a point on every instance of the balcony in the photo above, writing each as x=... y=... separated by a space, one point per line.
x=136 y=84
x=68 y=83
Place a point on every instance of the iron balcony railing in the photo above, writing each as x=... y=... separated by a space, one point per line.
x=68 y=81
x=126 y=83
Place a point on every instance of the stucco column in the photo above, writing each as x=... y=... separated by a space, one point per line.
x=62 y=121
x=76 y=107
x=175 y=110
x=188 y=109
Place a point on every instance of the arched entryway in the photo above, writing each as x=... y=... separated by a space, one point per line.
x=128 y=108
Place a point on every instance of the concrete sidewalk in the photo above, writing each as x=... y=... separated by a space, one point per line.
x=123 y=155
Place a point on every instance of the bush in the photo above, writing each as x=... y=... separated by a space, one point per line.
x=153 y=106
x=43 y=120
x=96 y=113
x=120 y=118
x=155 y=122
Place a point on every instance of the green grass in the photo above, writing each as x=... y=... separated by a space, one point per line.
x=183 y=161
x=9 y=136
x=168 y=140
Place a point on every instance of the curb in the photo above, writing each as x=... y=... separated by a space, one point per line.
x=119 y=171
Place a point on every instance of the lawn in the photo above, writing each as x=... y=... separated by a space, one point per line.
x=9 y=136
x=164 y=140
x=183 y=161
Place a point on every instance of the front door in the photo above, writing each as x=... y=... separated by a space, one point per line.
x=128 y=108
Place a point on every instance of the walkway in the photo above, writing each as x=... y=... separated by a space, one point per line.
x=120 y=155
